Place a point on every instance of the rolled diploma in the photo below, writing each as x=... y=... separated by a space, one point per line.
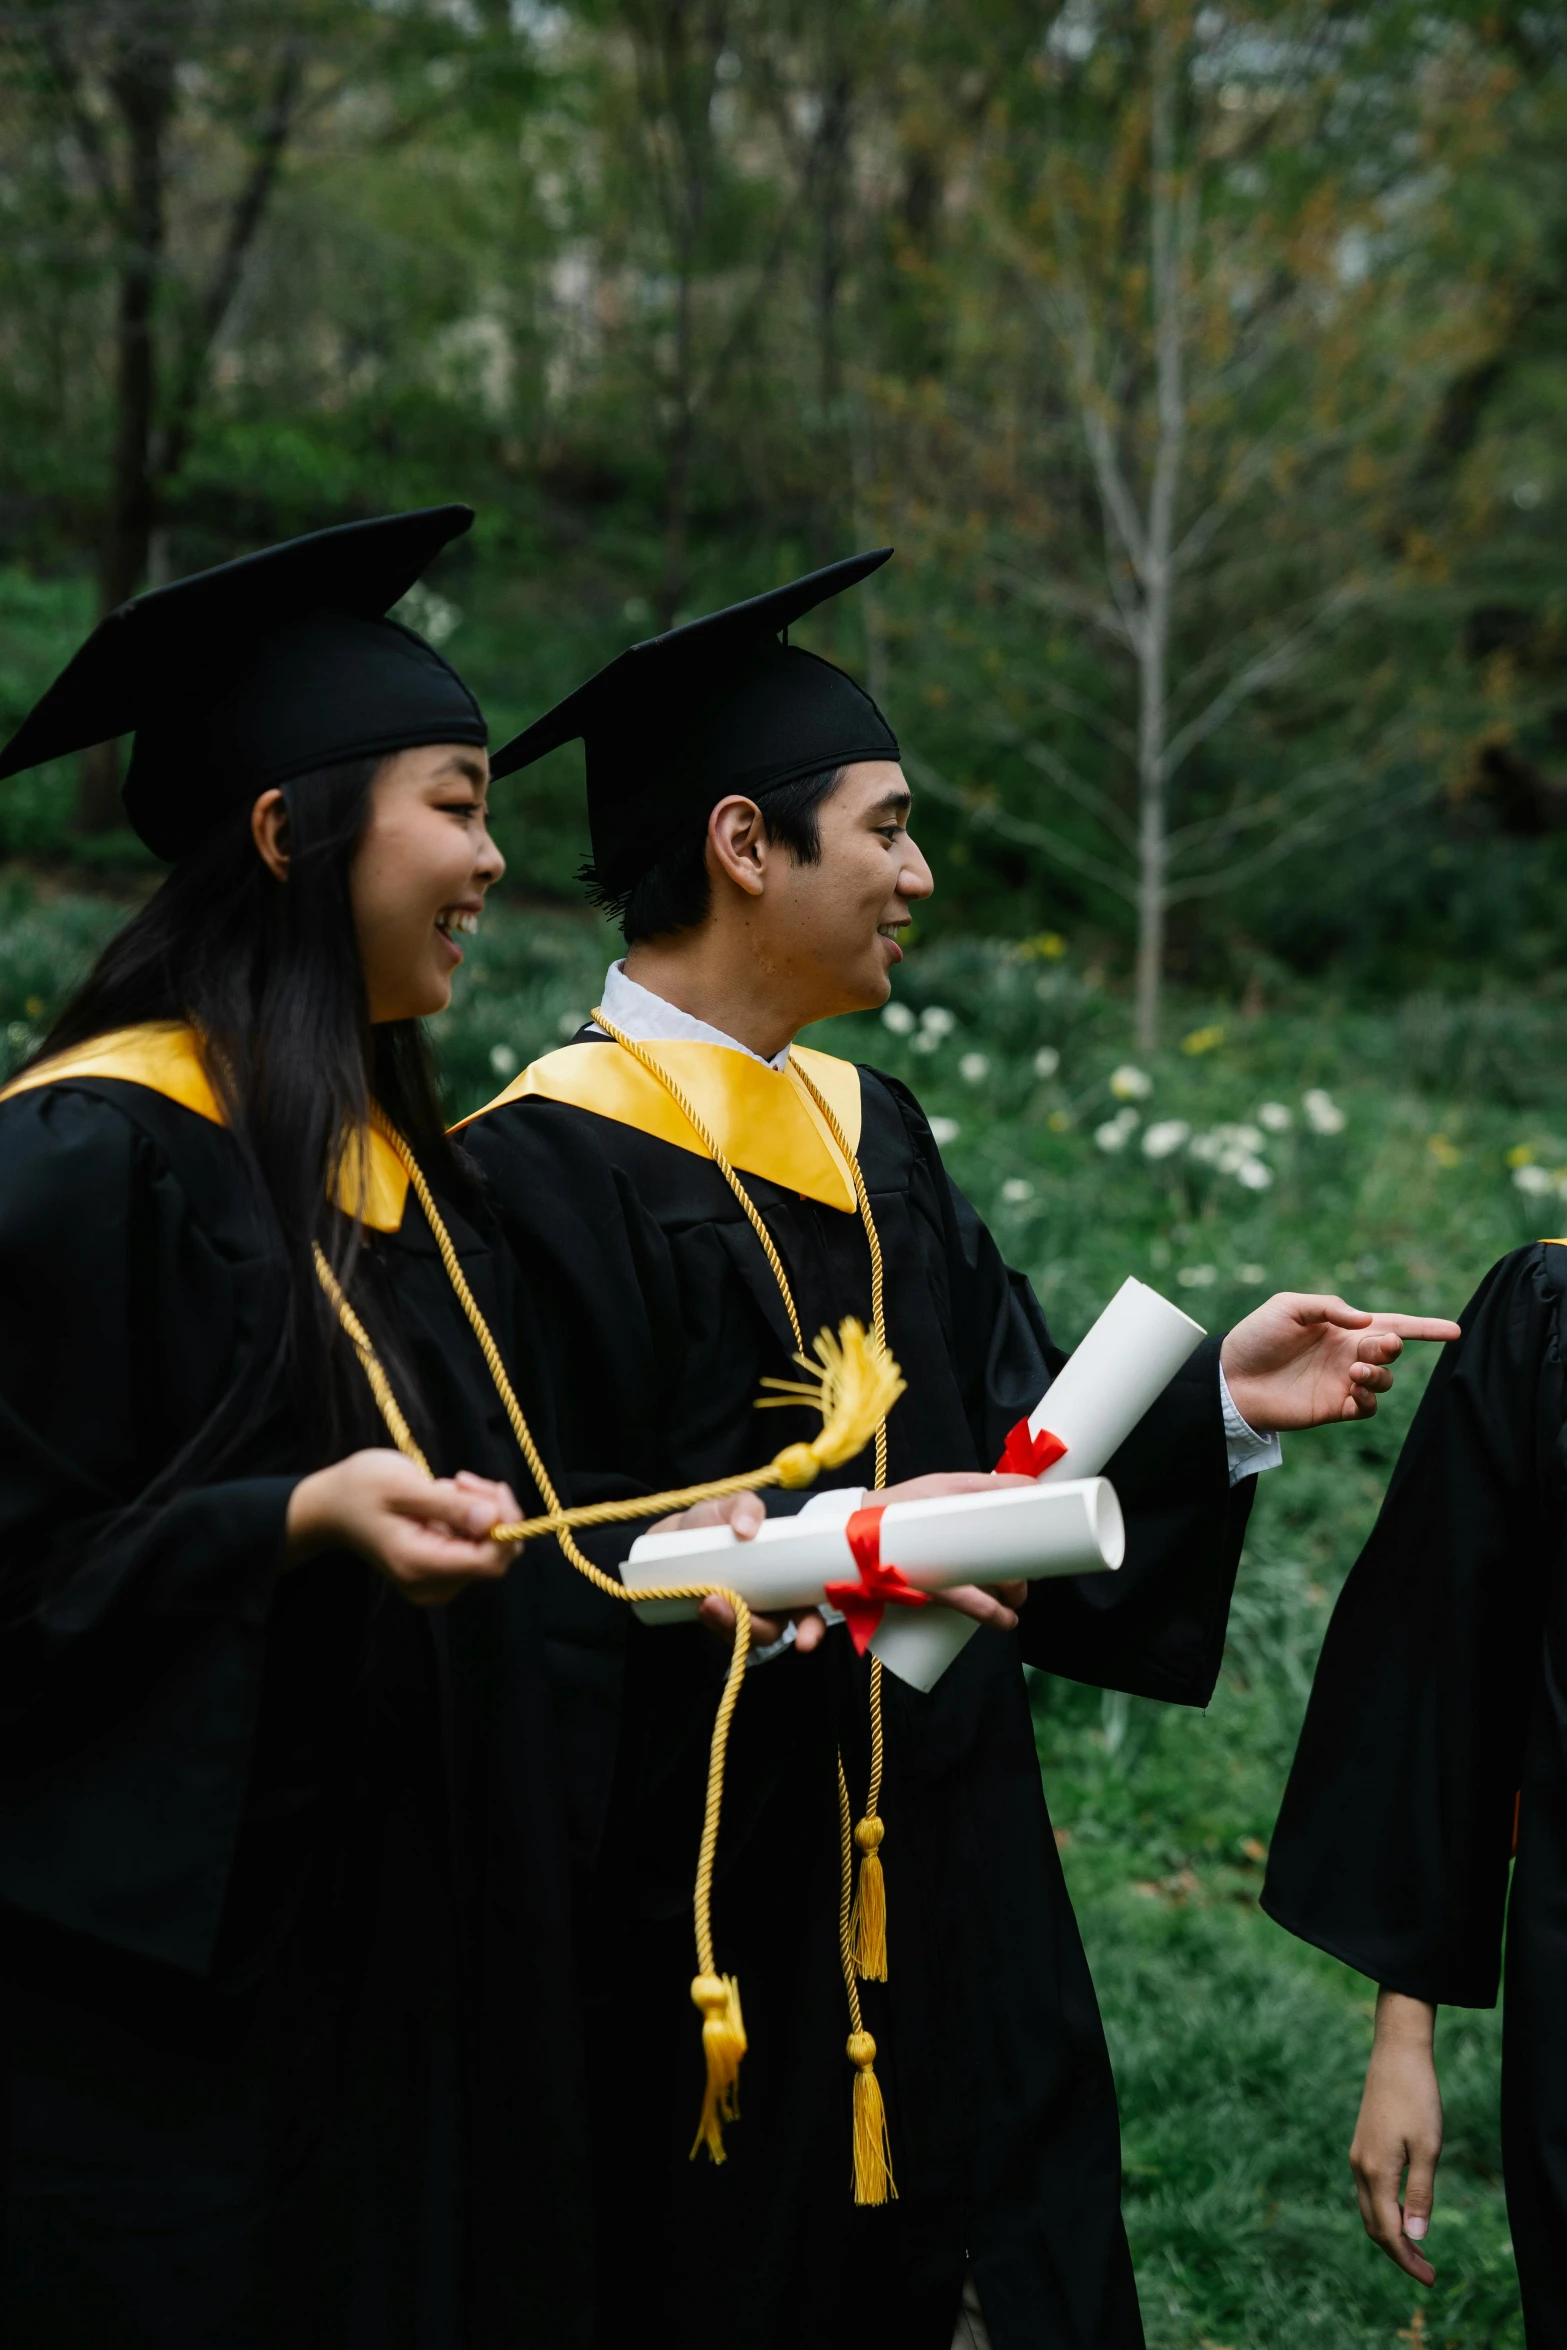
x=1119 y=1371
x=1072 y=1528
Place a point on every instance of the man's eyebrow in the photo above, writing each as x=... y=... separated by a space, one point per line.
x=897 y=802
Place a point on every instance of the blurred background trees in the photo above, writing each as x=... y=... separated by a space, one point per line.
x=1204 y=363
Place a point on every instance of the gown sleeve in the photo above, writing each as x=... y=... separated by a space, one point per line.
x=134 y=1600
x=1393 y=1844
x=1155 y=1628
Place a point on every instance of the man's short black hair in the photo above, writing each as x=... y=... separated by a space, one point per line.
x=675 y=892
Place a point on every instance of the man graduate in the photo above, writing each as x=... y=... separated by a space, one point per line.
x=692 y=1199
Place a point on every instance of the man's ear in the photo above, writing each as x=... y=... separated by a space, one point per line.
x=737 y=839
x=269 y=831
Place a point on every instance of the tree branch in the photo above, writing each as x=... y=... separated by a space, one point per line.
x=89 y=138
x=244 y=221
x=1020 y=829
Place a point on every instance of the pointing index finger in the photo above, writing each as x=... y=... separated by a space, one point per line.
x=1417 y=1326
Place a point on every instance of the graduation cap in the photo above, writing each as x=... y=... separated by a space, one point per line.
x=248 y=675
x=725 y=704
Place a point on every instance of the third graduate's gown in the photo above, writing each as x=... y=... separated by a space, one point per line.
x=1437 y=1729
x=662 y=1318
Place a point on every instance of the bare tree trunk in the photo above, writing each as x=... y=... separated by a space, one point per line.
x=142 y=83
x=1153 y=633
x=677 y=475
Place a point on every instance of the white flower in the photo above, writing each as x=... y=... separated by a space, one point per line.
x=1113 y=1134
x=945 y=1130
x=937 y=1021
x=1197 y=1276
x=1534 y=1180
x=1323 y=1114
x=569 y=1023
x=1167 y=1136
x=1254 y=1273
x=926 y=1041
x=974 y=1067
x=503 y=1060
x=1255 y=1174
x=1228 y=1148
x=1016 y=1190
x=1046 y=1061
x=899 y=1019
x=1275 y=1117
x=1129 y=1084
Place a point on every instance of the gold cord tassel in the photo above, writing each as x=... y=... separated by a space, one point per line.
x=870 y=1905
x=853 y=1383
x=870 y=1894
x=872 y=2153
x=723 y=2044
x=873 y=2182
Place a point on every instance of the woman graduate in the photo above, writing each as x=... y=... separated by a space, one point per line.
x=1435 y=1744
x=225 y=1866
x=692 y=1198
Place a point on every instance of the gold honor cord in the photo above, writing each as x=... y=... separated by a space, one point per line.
x=866 y=1953
x=872 y=1383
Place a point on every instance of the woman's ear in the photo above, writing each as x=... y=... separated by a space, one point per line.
x=269 y=831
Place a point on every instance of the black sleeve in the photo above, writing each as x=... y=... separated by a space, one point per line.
x=133 y=1605
x=1393 y=1843
x=1155 y=1628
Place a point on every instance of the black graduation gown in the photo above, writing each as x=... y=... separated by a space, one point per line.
x=1438 y=1715
x=662 y=1319
x=237 y=1974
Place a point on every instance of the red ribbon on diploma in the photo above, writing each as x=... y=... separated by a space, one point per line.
x=861 y=1603
x=1027 y=1455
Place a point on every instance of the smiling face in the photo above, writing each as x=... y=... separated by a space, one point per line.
x=828 y=931
x=419 y=875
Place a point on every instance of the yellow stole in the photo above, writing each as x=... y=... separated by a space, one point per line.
x=763 y=1120
x=165 y=1057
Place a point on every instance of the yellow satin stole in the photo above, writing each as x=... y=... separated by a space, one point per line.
x=763 y=1120
x=165 y=1057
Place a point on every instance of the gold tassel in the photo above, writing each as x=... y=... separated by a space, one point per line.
x=723 y=2044
x=853 y=1383
x=873 y=2181
x=870 y=1906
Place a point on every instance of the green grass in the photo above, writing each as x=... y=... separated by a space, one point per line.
x=1238 y=2052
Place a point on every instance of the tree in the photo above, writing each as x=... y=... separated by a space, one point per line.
x=1201 y=403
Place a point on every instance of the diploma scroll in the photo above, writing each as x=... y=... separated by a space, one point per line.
x=1118 y=1373
x=1020 y=1533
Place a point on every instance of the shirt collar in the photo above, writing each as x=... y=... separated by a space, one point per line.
x=648 y=1019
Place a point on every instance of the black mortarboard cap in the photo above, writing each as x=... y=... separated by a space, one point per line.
x=251 y=674
x=724 y=704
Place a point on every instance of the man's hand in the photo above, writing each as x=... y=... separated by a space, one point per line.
x=1300 y=1362
x=996 y=1606
x=1400 y=2125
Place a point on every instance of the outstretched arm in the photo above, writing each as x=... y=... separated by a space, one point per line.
x=1302 y=1361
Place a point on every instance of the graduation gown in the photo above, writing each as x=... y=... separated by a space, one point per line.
x=662 y=1318
x=1438 y=1717
x=241 y=1943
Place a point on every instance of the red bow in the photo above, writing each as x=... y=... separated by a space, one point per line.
x=1027 y=1455
x=862 y=1603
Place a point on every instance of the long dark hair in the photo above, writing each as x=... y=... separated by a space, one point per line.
x=268 y=973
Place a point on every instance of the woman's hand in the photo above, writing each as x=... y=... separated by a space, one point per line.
x=429 y=1536
x=1400 y=2126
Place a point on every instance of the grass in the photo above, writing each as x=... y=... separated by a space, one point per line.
x=1237 y=2051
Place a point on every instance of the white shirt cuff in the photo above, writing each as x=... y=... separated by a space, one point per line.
x=1250 y=1455
x=839 y=1502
